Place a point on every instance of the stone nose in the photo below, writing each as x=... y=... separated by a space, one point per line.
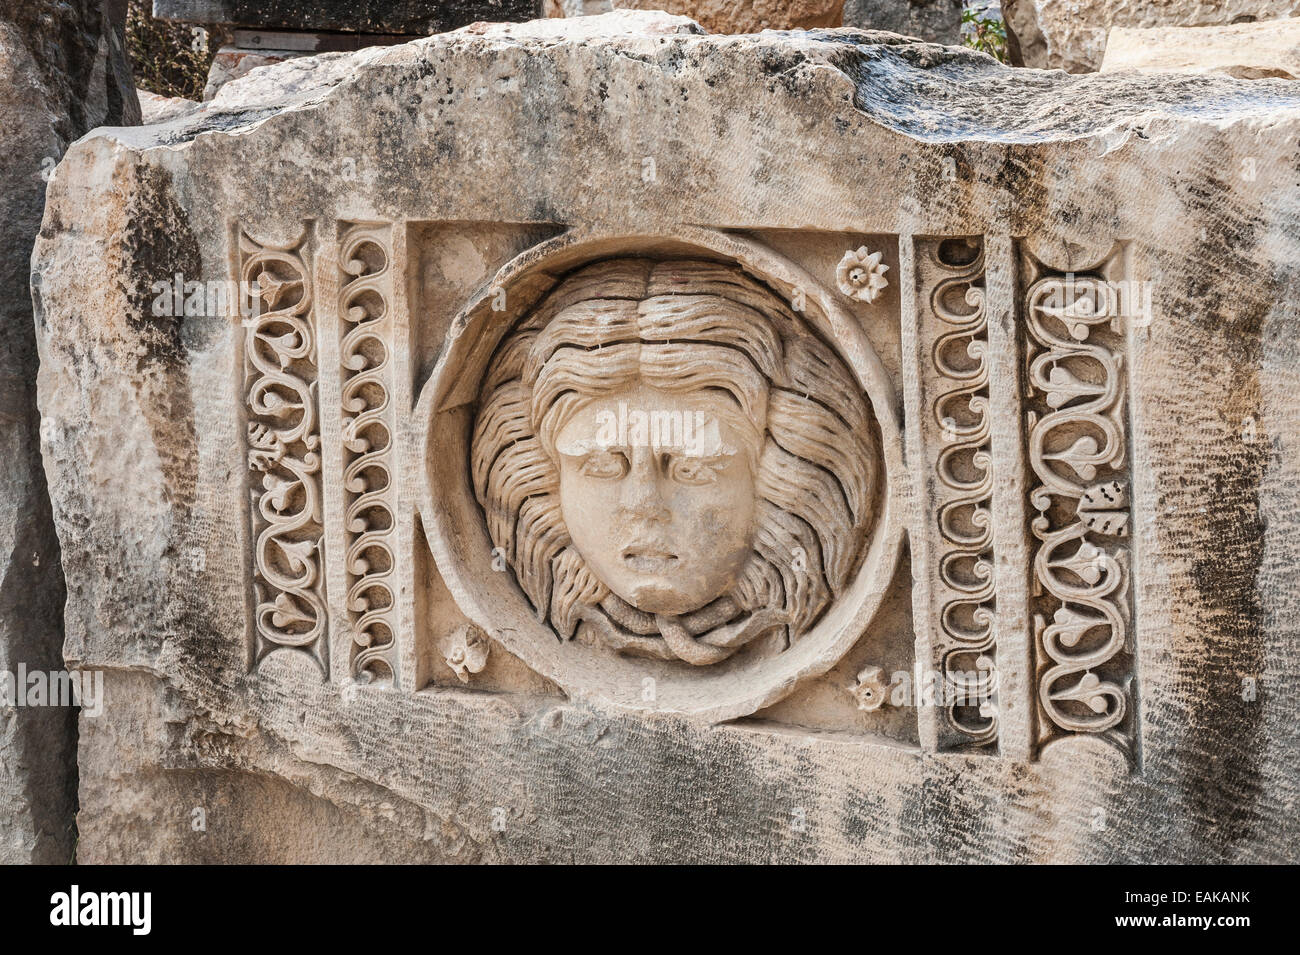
x=641 y=493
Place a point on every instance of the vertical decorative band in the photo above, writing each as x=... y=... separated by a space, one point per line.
x=280 y=376
x=953 y=308
x=365 y=305
x=1077 y=450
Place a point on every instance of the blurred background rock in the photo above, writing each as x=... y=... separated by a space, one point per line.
x=168 y=59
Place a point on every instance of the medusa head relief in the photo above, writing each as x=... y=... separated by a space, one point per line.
x=672 y=463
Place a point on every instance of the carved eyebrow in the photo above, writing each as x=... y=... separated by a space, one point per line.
x=725 y=453
x=585 y=446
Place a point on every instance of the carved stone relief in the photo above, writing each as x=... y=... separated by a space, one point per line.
x=469 y=652
x=861 y=274
x=671 y=463
x=956 y=429
x=283 y=451
x=370 y=522
x=399 y=550
x=1073 y=443
x=668 y=462
x=675 y=472
x=1077 y=444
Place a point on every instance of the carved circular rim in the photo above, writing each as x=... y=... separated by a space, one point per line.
x=457 y=533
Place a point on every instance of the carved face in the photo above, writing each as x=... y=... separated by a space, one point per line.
x=657 y=491
x=671 y=463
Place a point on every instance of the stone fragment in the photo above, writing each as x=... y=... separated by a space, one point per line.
x=717 y=16
x=1071 y=34
x=491 y=462
x=159 y=109
x=938 y=21
x=1248 y=51
x=633 y=23
x=230 y=63
x=412 y=17
x=62 y=72
x=260 y=32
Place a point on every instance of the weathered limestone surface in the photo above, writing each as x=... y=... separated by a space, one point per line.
x=1071 y=35
x=231 y=63
x=1248 y=51
x=61 y=72
x=1003 y=361
x=717 y=16
x=157 y=109
x=938 y=21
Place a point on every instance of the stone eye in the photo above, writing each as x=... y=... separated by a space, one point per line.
x=609 y=465
x=692 y=470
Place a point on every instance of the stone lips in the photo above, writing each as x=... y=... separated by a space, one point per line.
x=464 y=553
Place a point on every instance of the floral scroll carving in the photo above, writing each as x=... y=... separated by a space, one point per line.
x=1077 y=450
x=283 y=448
x=365 y=307
x=964 y=486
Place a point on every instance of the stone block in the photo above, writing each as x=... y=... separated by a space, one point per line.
x=62 y=71
x=1071 y=35
x=717 y=16
x=1248 y=51
x=644 y=445
x=413 y=17
x=938 y=21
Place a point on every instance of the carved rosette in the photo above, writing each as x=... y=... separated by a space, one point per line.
x=283 y=450
x=963 y=487
x=1077 y=439
x=365 y=305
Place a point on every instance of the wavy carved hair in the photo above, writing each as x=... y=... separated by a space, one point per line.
x=681 y=326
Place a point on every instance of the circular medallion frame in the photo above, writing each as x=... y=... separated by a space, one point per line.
x=487 y=593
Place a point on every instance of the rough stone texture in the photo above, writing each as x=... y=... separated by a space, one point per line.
x=61 y=72
x=414 y=17
x=1071 y=35
x=230 y=63
x=717 y=16
x=431 y=195
x=1248 y=51
x=938 y=21
x=159 y=109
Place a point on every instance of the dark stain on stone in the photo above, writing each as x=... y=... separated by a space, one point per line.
x=703 y=799
x=865 y=812
x=1220 y=764
x=920 y=805
x=157 y=246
